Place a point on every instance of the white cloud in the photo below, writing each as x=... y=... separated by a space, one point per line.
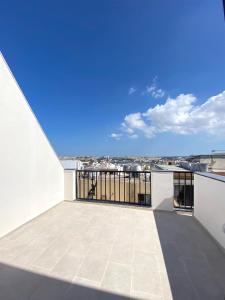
x=180 y=115
x=116 y=136
x=135 y=122
x=153 y=89
x=158 y=93
x=132 y=90
x=126 y=129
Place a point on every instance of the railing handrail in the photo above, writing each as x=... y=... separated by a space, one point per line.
x=117 y=171
x=108 y=170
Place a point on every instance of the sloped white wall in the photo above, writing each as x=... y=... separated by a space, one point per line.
x=31 y=176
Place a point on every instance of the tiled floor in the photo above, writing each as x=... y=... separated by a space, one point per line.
x=95 y=251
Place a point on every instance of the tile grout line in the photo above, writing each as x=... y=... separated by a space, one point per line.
x=82 y=260
x=132 y=266
x=108 y=261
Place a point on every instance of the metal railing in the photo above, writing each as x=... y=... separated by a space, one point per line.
x=183 y=190
x=131 y=187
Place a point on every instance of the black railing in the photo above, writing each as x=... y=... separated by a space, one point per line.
x=132 y=187
x=183 y=190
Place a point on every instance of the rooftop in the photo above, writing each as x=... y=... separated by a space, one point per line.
x=170 y=168
x=97 y=251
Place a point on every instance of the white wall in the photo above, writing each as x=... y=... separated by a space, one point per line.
x=31 y=176
x=209 y=205
x=72 y=164
x=69 y=185
x=162 y=190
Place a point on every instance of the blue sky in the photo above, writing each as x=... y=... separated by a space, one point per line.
x=95 y=71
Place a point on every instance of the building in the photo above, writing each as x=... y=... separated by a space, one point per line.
x=194 y=166
x=72 y=164
x=168 y=168
x=215 y=161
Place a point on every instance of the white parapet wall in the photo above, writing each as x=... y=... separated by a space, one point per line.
x=209 y=204
x=31 y=176
x=162 y=190
x=70 y=185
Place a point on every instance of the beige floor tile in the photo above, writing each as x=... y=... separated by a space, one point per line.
x=145 y=296
x=117 y=279
x=101 y=249
x=122 y=252
x=67 y=267
x=146 y=274
x=86 y=282
x=50 y=257
x=93 y=268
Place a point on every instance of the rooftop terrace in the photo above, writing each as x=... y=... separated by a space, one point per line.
x=97 y=251
x=55 y=249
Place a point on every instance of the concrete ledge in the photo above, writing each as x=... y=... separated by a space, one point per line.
x=162 y=190
x=211 y=176
x=69 y=185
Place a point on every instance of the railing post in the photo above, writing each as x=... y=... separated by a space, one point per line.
x=162 y=190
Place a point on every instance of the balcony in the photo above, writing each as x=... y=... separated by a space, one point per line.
x=101 y=251
x=138 y=246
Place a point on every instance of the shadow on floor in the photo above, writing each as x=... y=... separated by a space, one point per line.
x=19 y=284
x=195 y=264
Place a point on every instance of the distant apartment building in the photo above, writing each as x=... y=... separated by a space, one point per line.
x=72 y=164
x=194 y=166
x=215 y=161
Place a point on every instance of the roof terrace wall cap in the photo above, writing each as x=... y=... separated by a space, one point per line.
x=212 y=176
x=171 y=168
x=161 y=171
x=218 y=155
